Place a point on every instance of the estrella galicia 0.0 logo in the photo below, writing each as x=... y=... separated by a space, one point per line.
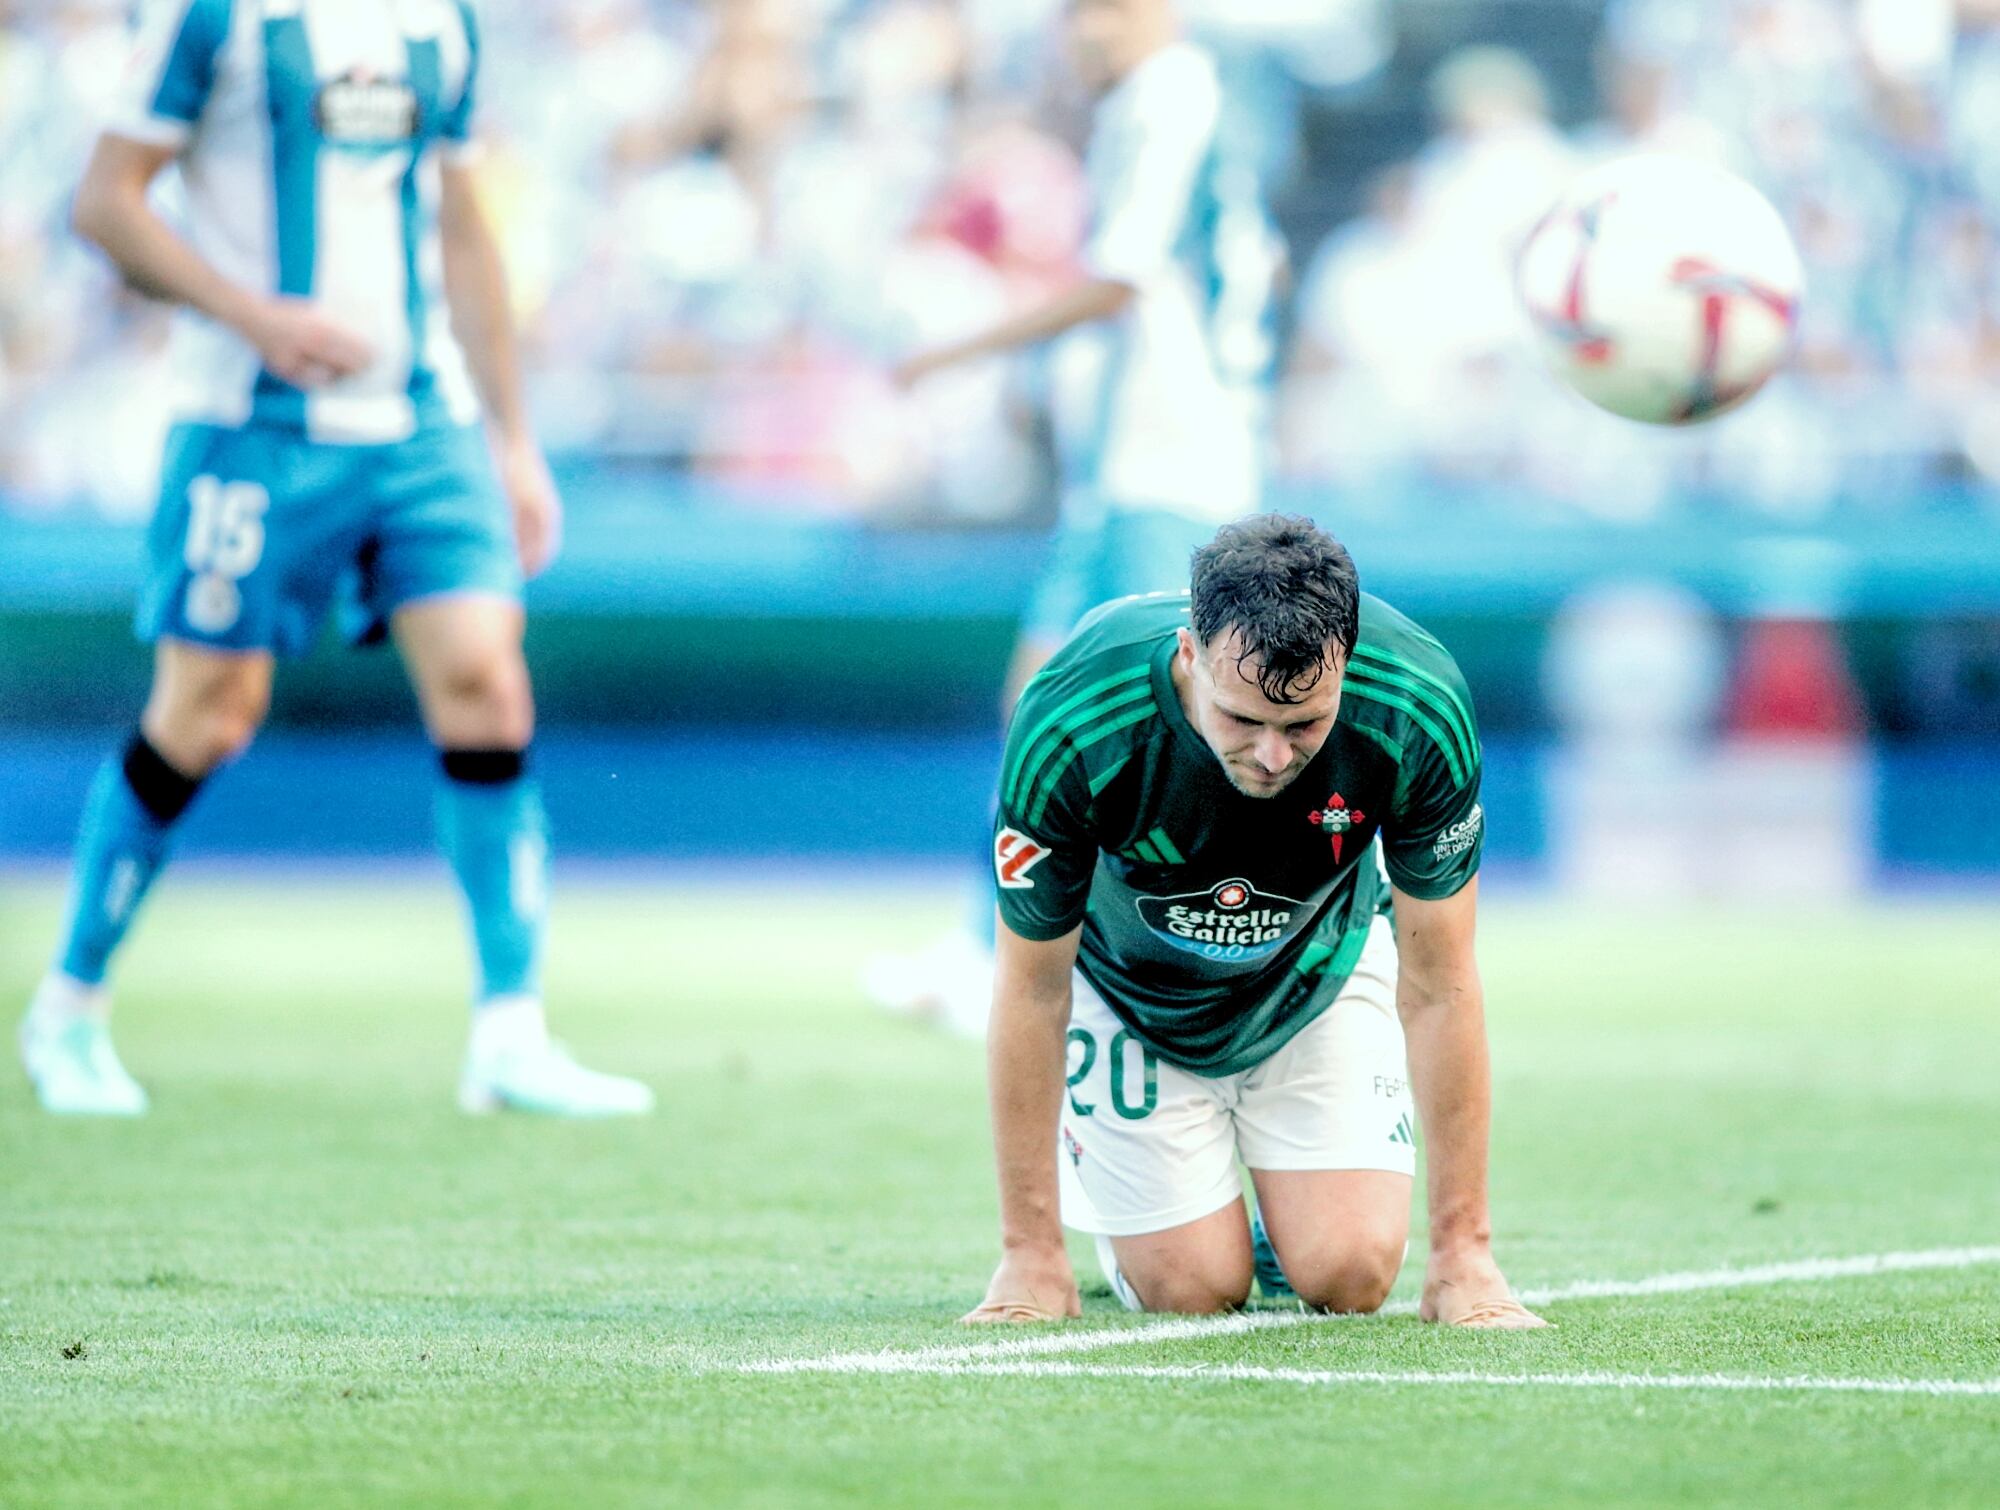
x=1232 y=920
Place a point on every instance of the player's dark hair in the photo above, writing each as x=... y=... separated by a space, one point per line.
x=1289 y=588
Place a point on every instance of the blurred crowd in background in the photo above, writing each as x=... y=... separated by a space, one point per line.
x=726 y=219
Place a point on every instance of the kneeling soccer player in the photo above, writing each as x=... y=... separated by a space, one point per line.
x=1191 y=907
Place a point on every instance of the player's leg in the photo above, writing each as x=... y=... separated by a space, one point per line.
x=204 y=709
x=443 y=573
x=1197 y=1268
x=463 y=656
x=1147 y=1159
x=1327 y=1129
x=221 y=594
x=465 y=661
x=1340 y=1233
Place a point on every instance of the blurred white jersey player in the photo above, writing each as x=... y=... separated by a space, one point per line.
x=326 y=446
x=1156 y=391
x=1158 y=378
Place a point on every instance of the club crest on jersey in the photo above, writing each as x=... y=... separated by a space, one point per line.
x=1014 y=855
x=360 y=110
x=1232 y=920
x=1335 y=820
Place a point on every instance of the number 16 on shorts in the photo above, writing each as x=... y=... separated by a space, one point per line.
x=225 y=541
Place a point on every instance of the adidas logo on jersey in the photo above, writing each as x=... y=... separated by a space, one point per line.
x=360 y=110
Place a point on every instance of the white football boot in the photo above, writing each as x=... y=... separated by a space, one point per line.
x=66 y=1047
x=1107 y=1261
x=512 y=1064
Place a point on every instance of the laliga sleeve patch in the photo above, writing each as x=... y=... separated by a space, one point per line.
x=1014 y=855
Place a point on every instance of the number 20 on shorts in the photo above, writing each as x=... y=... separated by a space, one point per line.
x=1122 y=1101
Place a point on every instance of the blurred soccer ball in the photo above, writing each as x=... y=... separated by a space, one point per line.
x=1662 y=289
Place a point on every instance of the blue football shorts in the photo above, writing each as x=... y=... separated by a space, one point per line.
x=260 y=532
x=1104 y=552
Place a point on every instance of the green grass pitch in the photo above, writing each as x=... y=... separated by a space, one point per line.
x=306 y=1279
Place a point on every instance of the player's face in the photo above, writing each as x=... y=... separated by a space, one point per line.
x=1263 y=745
x=1107 y=37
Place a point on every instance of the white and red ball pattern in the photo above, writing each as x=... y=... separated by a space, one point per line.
x=1662 y=289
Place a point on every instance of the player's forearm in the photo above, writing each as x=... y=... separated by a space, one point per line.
x=153 y=259
x=475 y=284
x=1097 y=299
x=1025 y=1054
x=1445 y=1029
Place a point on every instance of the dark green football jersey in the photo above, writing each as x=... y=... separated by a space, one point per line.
x=1217 y=925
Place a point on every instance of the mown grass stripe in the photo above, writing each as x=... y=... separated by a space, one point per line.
x=1011 y=777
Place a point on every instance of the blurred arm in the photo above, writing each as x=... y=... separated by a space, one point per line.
x=1025 y=1052
x=111 y=210
x=475 y=288
x=1090 y=301
x=1442 y=1006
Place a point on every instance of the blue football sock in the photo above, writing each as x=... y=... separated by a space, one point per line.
x=121 y=845
x=492 y=829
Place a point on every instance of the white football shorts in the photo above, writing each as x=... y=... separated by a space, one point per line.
x=1146 y=1145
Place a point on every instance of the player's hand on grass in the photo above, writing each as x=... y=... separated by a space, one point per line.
x=1464 y=1287
x=301 y=344
x=532 y=496
x=1031 y=1284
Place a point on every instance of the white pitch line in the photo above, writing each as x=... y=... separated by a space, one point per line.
x=1809 y=1269
x=1237 y=1372
x=1185 y=1328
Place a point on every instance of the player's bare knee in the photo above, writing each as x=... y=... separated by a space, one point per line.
x=226 y=724
x=1194 y=1292
x=203 y=722
x=1193 y=1298
x=485 y=699
x=1352 y=1277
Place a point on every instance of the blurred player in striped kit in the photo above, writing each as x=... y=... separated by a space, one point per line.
x=333 y=260
x=1170 y=312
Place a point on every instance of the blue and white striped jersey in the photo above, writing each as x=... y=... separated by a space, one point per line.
x=1173 y=424
x=310 y=134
